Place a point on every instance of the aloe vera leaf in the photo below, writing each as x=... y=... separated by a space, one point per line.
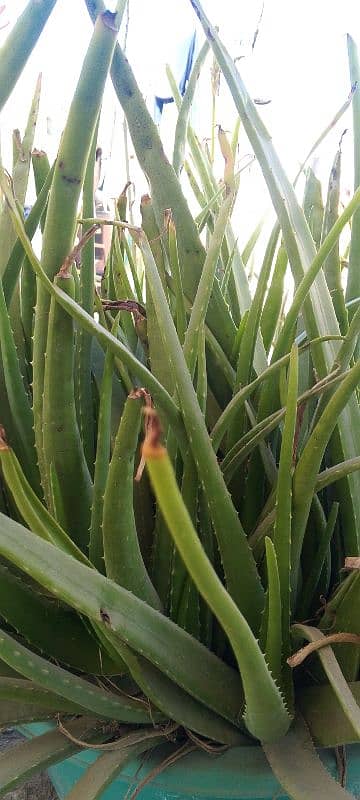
x=298 y=768
x=21 y=430
x=20 y=42
x=304 y=286
x=72 y=687
x=274 y=636
x=64 y=195
x=226 y=279
x=34 y=755
x=123 y=560
x=242 y=449
x=313 y=205
x=312 y=579
x=22 y=160
x=240 y=292
x=32 y=511
x=96 y=546
x=184 y=112
x=341 y=614
x=309 y=463
x=251 y=243
x=207 y=540
x=320 y=318
x=274 y=299
x=201 y=373
x=145 y=630
x=180 y=314
x=220 y=428
x=160 y=395
x=184 y=597
x=248 y=593
x=334 y=674
x=150 y=226
x=204 y=215
x=133 y=270
x=41 y=169
x=188 y=616
x=202 y=164
x=23 y=691
x=12 y=269
x=249 y=337
x=98 y=776
x=12 y=714
x=165 y=188
x=58 y=632
x=328 y=725
x=353 y=281
x=22 y=164
x=265 y=714
x=206 y=283
x=335 y=473
x=332 y=266
x=250 y=440
x=62 y=443
x=282 y=527
x=219 y=357
x=335 y=119
x=83 y=386
x=20 y=177
x=177 y=704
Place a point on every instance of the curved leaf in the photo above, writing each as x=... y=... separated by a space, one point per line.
x=297 y=766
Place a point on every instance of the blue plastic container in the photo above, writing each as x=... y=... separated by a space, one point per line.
x=239 y=774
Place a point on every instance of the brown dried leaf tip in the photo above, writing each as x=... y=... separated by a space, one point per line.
x=75 y=255
x=352 y=563
x=3 y=440
x=152 y=447
x=148 y=411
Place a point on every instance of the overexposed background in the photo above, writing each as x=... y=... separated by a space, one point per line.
x=299 y=63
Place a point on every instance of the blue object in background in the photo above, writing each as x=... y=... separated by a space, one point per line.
x=160 y=102
x=241 y=773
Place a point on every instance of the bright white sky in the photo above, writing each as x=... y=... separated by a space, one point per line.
x=299 y=62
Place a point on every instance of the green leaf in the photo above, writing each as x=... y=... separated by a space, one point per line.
x=298 y=768
x=341 y=614
x=47 y=626
x=20 y=42
x=123 y=559
x=273 y=646
x=353 y=283
x=23 y=691
x=22 y=432
x=309 y=589
x=235 y=553
x=265 y=714
x=319 y=315
x=177 y=704
x=282 y=528
x=64 y=196
x=98 y=776
x=329 y=727
x=166 y=191
x=309 y=463
x=147 y=631
x=333 y=672
x=84 y=694
x=106 y=339
x=185 y=108
x=27 y=758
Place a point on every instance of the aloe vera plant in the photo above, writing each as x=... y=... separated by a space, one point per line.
x=179 y=486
